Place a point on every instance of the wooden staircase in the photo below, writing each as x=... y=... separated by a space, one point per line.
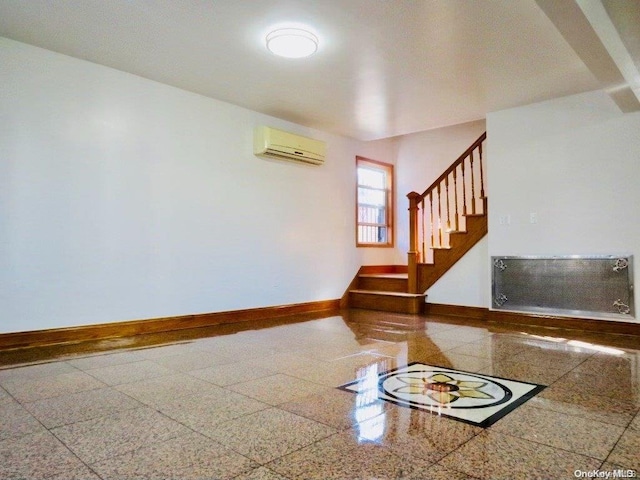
x=445 y=222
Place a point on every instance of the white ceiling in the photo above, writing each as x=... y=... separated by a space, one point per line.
x=384 y=67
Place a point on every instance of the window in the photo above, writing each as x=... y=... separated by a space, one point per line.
x=374 y=198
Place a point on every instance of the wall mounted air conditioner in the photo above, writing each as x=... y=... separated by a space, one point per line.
x=274 y=143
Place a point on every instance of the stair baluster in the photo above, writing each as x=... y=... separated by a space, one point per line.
x=473 y=186
x=456 y=226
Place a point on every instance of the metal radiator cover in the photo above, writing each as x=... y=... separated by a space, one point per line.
x=592 y=286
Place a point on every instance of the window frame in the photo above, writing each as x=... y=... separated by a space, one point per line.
x=390 y=207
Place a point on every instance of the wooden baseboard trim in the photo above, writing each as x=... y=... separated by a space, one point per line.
x=456 y=311
x=569 y=323
x=58 y=336
x=548 y=321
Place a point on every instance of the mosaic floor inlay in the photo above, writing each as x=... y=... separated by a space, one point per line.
x=472 y=398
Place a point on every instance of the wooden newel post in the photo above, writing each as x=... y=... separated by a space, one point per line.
x=413 y=254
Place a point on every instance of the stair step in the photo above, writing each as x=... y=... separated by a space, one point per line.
x=474 y=215
x=401 y=302
x=391 y=294
x=384 y=275
x=440 y=248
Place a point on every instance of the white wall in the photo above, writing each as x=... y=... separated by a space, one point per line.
x=122 y=198
x=421 y=158
x=575 y=162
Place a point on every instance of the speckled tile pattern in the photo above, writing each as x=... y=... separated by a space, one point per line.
x=117 y=434
x=159 y=390
x=276 y=389
x=493 y=456
x=35 y=456
x=16 y=421
x=335 y=408
x=120 y=374
x=77 y=407
x=258 y=401
x=30 y=390
x=590 y=438
x=261 y=473
x=269 y=434
x=627 y=451
x=204 y=412
x=187 y=457
x=230 y=374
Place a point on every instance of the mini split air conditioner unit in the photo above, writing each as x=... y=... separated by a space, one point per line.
x=274 y=143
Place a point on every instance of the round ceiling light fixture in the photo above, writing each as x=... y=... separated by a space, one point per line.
x=292 y=43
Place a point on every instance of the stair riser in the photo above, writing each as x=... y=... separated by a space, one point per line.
x=385 y=303
x=383 y=284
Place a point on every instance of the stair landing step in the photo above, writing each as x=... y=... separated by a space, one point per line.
x=474 y=215
x=390 y=294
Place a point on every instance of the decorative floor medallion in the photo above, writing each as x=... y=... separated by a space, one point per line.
x=468 y=397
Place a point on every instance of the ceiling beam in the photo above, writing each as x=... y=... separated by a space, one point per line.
x=587 y=28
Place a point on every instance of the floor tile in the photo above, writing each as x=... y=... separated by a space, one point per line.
x=588 y=437
x=160 y=351
x=493 y=456
x=15 y=421
x=617 y=366
x=158 y=391
x=626 y=452
x=495 y=347
x=193 y=361
x=66 y=409
x=412 y=434
x=438 y=472
x=261 y=473
x=635 y=423
x=553 y=358
x=338 y=457
x=189 y=456
x=230 y=374
x=336 y=408
x=117 y=434
x=592 y=407
x=35 y=456
x=129 y=372
x=458 y=361
x=524 y=372
x=622 y=388
x=80 y=473
x=269 y=434
x=47 y=387
x=329 y=374
x=35 y=371
x=277 y=389
x=105 y=360
x=461 y=335
x=204 y=412
x=282 y=362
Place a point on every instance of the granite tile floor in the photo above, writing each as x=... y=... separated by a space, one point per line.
x=259 y=401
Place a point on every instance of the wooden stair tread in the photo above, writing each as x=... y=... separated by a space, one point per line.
x=474 y=215
x=440 y=248
x=384 y=275
x=390 y=294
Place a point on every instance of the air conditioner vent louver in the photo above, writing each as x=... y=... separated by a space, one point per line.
x=274 y=143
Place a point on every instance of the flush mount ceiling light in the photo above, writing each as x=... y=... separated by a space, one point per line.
x=292 y=43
